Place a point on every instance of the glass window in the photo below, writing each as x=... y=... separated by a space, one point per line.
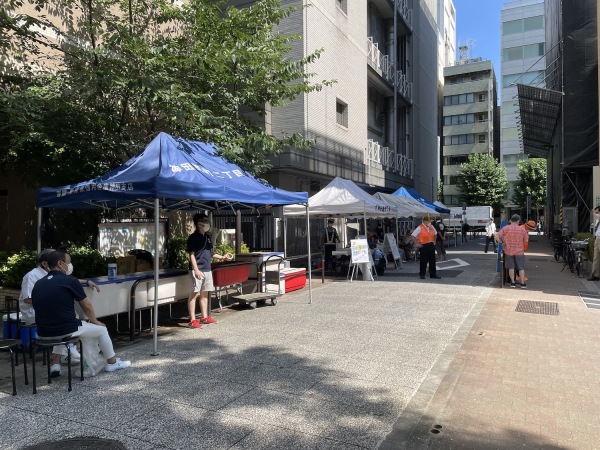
x=512 y=53
x=533 y=23
x=507 y=80
x=470 y=98
x=533 y=78
x=533 y=50
x=343 y=5
x=512 y=27
x=510 y=108
x=341 y=110
x=462 y=98
x=447 y=120
x=455 y=99
x=448 y=100
x=482 y=139
x=455 y=140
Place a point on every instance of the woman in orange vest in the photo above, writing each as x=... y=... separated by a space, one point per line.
x=424 y=239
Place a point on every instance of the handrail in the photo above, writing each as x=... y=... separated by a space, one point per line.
x=150 y=276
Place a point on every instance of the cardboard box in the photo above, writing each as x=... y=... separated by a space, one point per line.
x=141 y=265
x=125 y=264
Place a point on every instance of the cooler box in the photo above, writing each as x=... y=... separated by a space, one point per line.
x=6 y=332
x=26 y=334
x=294 y=279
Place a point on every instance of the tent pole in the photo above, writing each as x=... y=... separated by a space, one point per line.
x=238 y=232
x=284 y=236
x=39 y=230
x=309 y=260
x=156 y=278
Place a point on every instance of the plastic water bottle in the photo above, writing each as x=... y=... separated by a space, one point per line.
x=112 y=271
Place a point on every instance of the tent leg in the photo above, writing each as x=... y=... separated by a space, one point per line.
x=156 y=277
x=309 y=261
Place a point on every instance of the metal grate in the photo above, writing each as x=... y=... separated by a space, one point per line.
x=546 y=308
x=590 y=299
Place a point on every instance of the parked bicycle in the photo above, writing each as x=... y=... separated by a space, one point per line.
x=580 y=248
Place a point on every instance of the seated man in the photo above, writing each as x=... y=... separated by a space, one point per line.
x=29 y=280
x=53 y=298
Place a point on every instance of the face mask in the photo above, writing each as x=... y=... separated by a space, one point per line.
x=206 y=227
x=69 y=269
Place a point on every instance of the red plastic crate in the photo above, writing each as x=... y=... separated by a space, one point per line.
x=226 y=274
x=294 y=279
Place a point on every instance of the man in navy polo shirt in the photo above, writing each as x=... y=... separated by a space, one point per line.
x=53 y=298
x=200 y=252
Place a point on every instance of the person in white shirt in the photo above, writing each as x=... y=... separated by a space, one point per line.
x=596 y=265
x=25 y=303
x=490 y=231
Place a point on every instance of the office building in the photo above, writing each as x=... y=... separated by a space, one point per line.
x=468 y=115
x=560 y=122
x=376 y=125
x=523 y=61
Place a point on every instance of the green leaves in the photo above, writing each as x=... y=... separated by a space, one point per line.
x=482 y=181
x=202 y=71
x=532 y=181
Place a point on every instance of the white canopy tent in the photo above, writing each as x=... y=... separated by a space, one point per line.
x=405 y=206
x=340 y=198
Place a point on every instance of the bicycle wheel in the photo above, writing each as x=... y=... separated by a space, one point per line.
x=571 y=259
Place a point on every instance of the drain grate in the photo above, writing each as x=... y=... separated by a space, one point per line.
x=546 y=308
x=590 y=299
x=79 y=443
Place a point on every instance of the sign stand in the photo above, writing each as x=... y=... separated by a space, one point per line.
x=360 y=258
x=390 y=246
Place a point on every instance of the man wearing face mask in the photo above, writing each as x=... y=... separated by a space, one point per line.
x=29 y=280
x=200 y=251
x=53 y=298
x=596 y=265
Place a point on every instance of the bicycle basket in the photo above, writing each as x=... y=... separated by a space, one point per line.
x=579 y=245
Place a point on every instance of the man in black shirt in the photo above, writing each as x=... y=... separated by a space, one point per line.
x=200 y=251
x=53 y=300
x=330 y=237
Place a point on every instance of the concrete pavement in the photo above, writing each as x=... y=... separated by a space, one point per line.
x=366 y=365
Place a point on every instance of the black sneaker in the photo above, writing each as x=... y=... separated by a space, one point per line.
x=513 y=285
x=523 y=286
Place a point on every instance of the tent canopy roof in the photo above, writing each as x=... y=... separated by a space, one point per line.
x=406 y=206
x=342 y=197
x=182 y=174
x=411 y=193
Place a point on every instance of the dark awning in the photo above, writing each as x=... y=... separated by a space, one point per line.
x=539 y=110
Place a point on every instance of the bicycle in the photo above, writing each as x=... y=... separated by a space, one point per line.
x=568 y=255
x=580 y=247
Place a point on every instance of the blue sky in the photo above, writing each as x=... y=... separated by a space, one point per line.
x=479 y=21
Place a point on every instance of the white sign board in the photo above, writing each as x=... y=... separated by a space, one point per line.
x=117 y=238
x=389 y=244
x=360 y=251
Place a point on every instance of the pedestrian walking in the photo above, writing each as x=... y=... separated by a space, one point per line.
x=490 y=233
x=596 y=261
x=440 y=239
x=514 y=238
x=424 y=239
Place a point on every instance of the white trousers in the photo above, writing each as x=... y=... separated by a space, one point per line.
x=93 y=332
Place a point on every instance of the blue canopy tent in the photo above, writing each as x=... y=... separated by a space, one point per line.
x=411 y=193
x=170 y=174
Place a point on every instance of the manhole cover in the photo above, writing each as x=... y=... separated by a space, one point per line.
x=79 y=443
x=546 y=308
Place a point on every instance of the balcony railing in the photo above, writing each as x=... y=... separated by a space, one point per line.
x=402 y=84
x=405 y=11
x=382 y=64
x=390 y=160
